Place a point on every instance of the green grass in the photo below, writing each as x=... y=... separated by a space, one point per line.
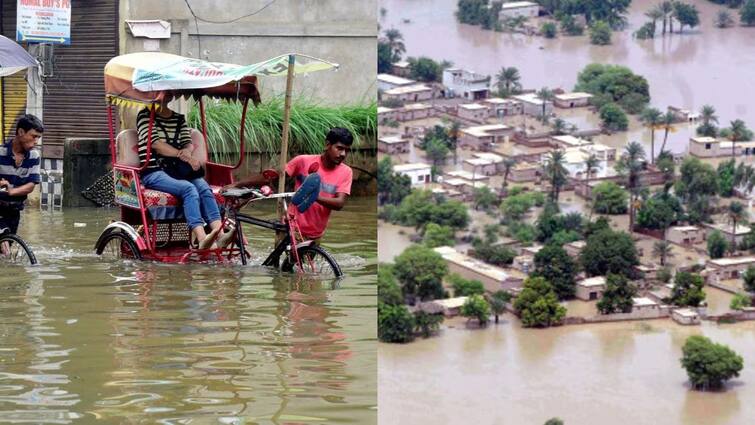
x=309 y=124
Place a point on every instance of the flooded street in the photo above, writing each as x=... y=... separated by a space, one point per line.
x=82 y=339
x=619 y=373
x=704 y=66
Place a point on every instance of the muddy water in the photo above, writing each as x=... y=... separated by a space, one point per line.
x=619 y=373
x=83 y=339
x=705 y=66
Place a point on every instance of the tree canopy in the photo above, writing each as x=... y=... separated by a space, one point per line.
x=556 y=266
x=420 y=271
x=617 y=298
x=614 y=83
x=537 y=305
x=688 y=290
x=609 y=198
x=476 y=307
x=709 y=365
x=609 y=252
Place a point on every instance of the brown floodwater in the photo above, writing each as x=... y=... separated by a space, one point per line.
x=84 y=340
x=702 y=66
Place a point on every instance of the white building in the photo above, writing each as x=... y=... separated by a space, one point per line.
x=533 y=105
x=513 y=9
x=388 y=82
x=572 y=100
x=412 y=93
x=393 y=145
x=493 y=278
x=591 y=288
x=466 y=84
x=482 y=137
x=474 y=112
x=575 y=162
x=500 y=108
x=420 y=173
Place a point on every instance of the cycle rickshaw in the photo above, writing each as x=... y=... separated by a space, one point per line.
x=151 y=225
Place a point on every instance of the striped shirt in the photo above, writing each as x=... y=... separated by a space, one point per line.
x=164 y=129
x=28 y=172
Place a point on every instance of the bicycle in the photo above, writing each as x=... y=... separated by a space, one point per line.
x=307 y=257
x=14 y=250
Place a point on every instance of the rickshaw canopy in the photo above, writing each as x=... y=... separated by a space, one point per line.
x=13 y=57
x=139 y=79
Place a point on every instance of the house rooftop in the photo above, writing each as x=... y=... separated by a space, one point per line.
x=466 y=175
x=498 y=101
x=478 y=161
x=571 y=140
x=488 y=156
x=485 y=130
x=643 y=302
x=529 y=98
x=407 y=89
x=498 y=274
x=686 y=312
x=518 y=4
x=383 y=109
x=449 y=303
x=703 y=139
x=731 y=261
x=411 y=167
x=592 y=281
x=685 y=228
x=473 y=106
x=573 y=96
x=725 y=228
x=394 y=79
x=393 y=140
x=417 y=106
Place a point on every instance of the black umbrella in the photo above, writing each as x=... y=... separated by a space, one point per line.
x=13 y=57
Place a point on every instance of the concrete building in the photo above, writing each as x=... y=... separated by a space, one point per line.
x=727 y=231
x=483 y=137
x=568 y=141
x=387 y=82
x=492 y=277
x=591 y=289
x=513 y=9
x=473 y=112
x=685 y=235
x=572 y=100
x=524 y=263
x=525 y=172
x=420 y=173
x=448 y=193
x=466 y=84
x=401 y=68
x=709 y=147
x=500 y=108
x=468 y=176
x=531 y=250
x=685 y=316
x=575 y=161
x=480 y=166
x=448 y=307
x=575 y=248
x=644 y=304
x=727 y=268
x=533 y=105
x=393 y=145
x=415 y=111
x=414 y=93
x=386 y=115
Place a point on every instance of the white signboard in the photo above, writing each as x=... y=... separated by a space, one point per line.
x=44 y=21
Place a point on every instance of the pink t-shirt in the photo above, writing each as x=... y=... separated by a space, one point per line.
x=338 y=180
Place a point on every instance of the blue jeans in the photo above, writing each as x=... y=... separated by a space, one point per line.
x=196 y=196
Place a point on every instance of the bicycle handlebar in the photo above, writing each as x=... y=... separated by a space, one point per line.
x=255 y=193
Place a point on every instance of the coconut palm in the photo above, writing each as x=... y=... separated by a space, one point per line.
x=454 y=130
x=736 y=213
x=545 y=94
x=396 y=42
x=655 y=13
x=652 y=118
x=591 y=163
x=559 y=126
x=667 y=120
x=662 y=250
x=738 y=132
x=630 y=165
x=667 y=8
x=556 y=173
x=723 y=19
x=508 y=81
x=507 y=164
x=708 y=117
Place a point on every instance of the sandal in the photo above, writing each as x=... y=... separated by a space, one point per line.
x=209 y=241
x=226 y=238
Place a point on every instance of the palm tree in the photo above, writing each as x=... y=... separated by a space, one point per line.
x=556 y=173
x=652 y=118
x=708 y=116
x=737 y=213
x=508 y=80
x=738 y=132
x=453 y=138
x=559 y=126
x=507 y=164
x=498 y=303
x=545 y=94
x=667 y=8
x=655 y=13
x=396 y=42
x=667 y=120
x=630 y=165
x=662 y=249
x=591 y=163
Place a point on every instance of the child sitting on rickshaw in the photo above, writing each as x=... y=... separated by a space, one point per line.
x=335 y=181
x=173 y=170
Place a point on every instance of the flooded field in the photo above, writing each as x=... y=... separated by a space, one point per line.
x=82 y=339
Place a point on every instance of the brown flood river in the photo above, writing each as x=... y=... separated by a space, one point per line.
x=84 y=341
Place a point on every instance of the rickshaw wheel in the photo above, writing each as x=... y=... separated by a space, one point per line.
x=315 y=260
x=117 y=246
x=17 y=252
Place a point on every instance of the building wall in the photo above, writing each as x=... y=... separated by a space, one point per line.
x=528 y=12
x=341 y=31
x=419 y=177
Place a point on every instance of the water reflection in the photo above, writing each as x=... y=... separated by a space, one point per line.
x=146 y=343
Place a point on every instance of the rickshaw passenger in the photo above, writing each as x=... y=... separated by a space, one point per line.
x=199 y=204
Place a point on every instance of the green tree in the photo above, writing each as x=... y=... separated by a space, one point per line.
x=392 y=187
x=570 y=26
x=740 y=301
x=686 y=14
x=747 y=13
x=426 y=324
x=726 y=178
x=437 y=235
x=736 y=214
x=630 y=165
x=688 y=289
x=473 y=12
x=600 y=33
x=389 y=292
x=655 y=13
x=609 y=252
x=667 y=8
x=498 y=302
x=662 y=250
x=545 y=95
x=696 y=187
x=723 y=19
x=554 y=421
x=609 y=198
x=497 y=255
x=614 y=84
x=651 y=117
x=465 y=287
x=559 y=127
x=425 y=69
x=709 y=365
x=395 y=41
x=436 y=151
x=508 y=163
x=557 y=267
x=613 y=118
x=748 y=279
x=476 y=307
x=709 y=120
x=556 y=173
x=484 y=198
x=385 y=55
x=660 y=211
x=717 y=245
x=537 y=305
x=420 y=271
x=395 y=324
x=549 y=30
x=617 y=298
x=508 y=81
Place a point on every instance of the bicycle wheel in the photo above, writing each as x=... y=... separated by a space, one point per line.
x=315 y=260
x=14 y=250
x=117 y=246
